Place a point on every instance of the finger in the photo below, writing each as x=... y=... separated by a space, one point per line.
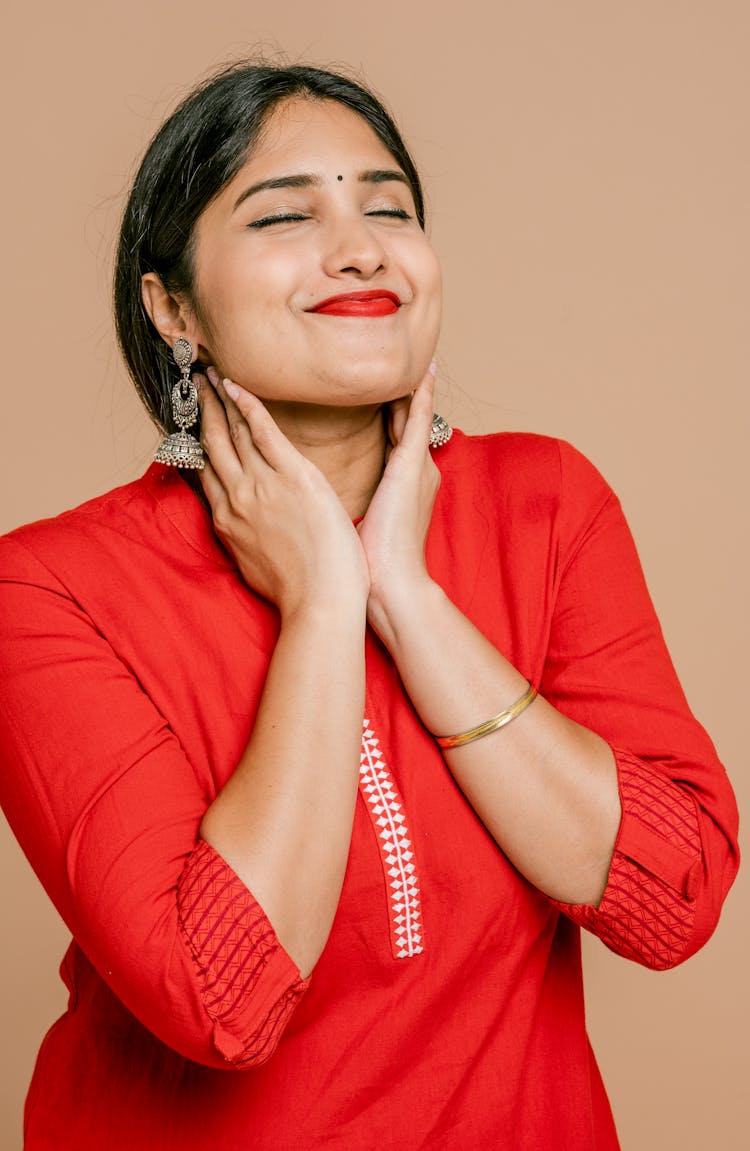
x=266 y=435
x=416 y=433
x=215 y=438
x=237 y=425
x=397 y=416
x=213 y=489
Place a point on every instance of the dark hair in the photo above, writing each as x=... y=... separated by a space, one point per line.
x=195 y=153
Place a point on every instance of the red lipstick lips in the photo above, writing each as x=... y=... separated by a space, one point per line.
x=373 y=303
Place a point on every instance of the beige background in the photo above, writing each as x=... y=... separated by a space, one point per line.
x=588 y=178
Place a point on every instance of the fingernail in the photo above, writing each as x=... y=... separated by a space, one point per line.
x=231 y=389
x=213 y=375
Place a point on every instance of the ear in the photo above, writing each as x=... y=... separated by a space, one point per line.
x=170 y=315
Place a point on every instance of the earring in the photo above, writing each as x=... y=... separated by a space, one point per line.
x=440 y=432
x=181 y=450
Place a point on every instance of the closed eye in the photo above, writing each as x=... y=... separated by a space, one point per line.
x=292 y=217
x=399 y=213
x=286 y=218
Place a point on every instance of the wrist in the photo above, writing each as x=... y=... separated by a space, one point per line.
x=395 y=609
x=327 y=607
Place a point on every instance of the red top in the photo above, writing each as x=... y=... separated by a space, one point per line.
x=446 y=1011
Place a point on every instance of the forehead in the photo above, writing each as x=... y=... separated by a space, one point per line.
x=312 y=134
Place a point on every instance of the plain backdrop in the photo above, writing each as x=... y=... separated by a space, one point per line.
x=588 y=180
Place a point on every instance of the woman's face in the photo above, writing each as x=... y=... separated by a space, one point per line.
x=319 y=210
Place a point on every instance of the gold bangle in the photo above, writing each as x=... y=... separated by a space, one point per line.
x=489 y=725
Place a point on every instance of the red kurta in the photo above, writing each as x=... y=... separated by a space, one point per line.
x=446 y=1011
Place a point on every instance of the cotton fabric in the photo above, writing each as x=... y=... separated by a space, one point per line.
x=446 y=1011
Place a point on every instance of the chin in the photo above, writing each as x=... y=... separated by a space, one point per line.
x=370 y=384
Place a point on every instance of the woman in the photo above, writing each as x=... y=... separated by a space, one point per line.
x=323 y=766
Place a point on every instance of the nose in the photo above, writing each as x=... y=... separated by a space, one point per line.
x=353 y=247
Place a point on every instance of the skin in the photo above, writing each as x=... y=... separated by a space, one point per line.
x=308 y=422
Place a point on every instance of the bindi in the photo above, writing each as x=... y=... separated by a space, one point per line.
x=339 y=177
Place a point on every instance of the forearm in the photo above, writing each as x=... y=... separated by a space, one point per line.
x=544 y=786
x=283 y=821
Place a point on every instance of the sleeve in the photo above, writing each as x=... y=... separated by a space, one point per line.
x=607 y=668
x=106 y=805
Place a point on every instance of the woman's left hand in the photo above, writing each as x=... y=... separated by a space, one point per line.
x=394 y=530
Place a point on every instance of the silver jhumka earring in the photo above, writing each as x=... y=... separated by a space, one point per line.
x=440 y=432
x=181 y=450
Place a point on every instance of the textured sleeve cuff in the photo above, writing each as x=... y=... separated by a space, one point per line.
x=249 y=984
x=647 y=911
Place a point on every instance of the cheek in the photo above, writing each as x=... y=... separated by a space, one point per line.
x=432 y=296
x=258 y=284
x=427 y=275
x=237 y=303
x=434 y=273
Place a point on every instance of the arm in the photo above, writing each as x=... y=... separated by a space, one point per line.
x=107 y=806
x=284 y=819
x=546 y=786
x=607 y=667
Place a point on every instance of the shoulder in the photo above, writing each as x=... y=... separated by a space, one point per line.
x=524 y=468
x=66 y=539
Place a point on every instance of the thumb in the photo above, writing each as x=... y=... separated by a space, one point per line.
x=421 y=410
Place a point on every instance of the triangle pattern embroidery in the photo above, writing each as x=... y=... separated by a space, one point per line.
x=386 y=809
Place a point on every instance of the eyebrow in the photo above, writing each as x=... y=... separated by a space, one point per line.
x=308 y=180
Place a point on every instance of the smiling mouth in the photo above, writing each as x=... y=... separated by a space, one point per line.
x=372 y=303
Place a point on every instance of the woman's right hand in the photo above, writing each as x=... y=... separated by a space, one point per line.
x=273 y=510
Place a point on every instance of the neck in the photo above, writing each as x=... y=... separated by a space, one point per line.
x=346 y=444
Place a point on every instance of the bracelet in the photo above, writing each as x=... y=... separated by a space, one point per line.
x=489 y=725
